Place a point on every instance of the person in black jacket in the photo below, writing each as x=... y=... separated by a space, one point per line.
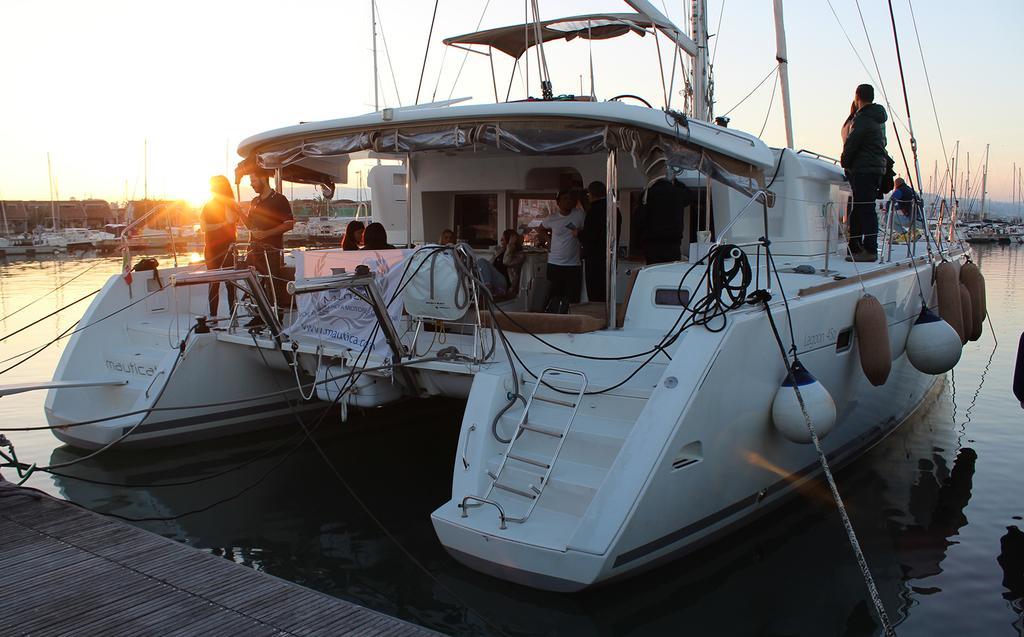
x=593 y=240
x=661 y=220
x=864 y=159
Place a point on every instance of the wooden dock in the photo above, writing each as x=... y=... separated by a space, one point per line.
x=66 y=570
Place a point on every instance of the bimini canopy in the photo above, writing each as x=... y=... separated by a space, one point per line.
x=517 y=39
x=658 y=155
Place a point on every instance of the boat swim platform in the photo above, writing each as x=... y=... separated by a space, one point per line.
x=67 y=570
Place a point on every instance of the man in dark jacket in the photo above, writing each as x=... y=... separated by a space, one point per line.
x=864 y=159
x=593 y=240
x=660 y=220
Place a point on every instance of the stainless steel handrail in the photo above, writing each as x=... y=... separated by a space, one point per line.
x=465 y=448
x=501 y=512
x=818 y=155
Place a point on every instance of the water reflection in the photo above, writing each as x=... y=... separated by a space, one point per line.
x=932 y=506
x=793 y=570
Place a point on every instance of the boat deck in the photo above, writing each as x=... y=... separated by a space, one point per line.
x=71 y=571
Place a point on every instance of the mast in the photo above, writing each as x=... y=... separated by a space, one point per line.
x=145 y=169
x=967 y=184
x=702 y=110
x=781 y=57
x=376 y=79
x=53 y=206
x=984 y=183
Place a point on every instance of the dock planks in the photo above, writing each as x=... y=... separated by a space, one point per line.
x=70 y=571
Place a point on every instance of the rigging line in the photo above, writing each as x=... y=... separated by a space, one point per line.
x=362 y=503
x=881 y=84
x=539 y=36
x=765 y=79
x=53 y=290
x=426 y=52
x=853 y=47
x=661 y=69
x=465 y=56
x=928 y=82
x=440 y=72
x=851 y=534
x=32 y=354
x=771 y=102
x=67 y=331
x=41 y=319
x=718 y=29
x=387 y=54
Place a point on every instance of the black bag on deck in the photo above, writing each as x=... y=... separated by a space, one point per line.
x=889 y=178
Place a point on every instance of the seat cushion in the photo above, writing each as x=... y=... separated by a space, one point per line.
x=528 y=322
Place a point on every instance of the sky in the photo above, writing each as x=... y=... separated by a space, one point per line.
x=94 y=83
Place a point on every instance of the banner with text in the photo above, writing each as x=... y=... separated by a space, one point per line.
x=339 y=317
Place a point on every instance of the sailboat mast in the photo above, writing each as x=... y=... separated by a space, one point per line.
x=984 y=183
x=145 y=169
x=781 y=56
x=376 y=79
x=702 y=110
x=53 y=205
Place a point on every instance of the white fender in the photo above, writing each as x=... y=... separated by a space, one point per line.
x=933 y=346
x=787 y=415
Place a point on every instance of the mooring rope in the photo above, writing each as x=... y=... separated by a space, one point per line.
x=851 y=535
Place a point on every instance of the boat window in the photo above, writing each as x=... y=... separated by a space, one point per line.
x=527 y=213
x=476 y=219
x=844 y=340
x=672 y=297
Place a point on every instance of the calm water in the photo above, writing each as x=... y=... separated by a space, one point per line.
x=938 y=506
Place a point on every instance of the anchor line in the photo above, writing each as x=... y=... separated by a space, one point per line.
x=851 y=534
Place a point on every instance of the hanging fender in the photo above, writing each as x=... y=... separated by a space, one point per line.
x=967 y=311
x=948 y=286
x=971 y=277
x=873 y=340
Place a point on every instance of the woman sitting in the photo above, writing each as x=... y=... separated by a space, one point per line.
x=375 y=237
x=447 y=238
x=353 y=235
x=501 y=274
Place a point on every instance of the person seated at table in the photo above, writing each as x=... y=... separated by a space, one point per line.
x=375 y=237
x=447 y=238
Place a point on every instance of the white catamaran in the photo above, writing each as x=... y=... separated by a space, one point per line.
x=594 y=444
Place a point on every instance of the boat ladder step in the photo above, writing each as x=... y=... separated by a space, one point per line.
x=536 y=463
x=524 y=427
x=556 y=401
x=525 y=494
x=540 y=429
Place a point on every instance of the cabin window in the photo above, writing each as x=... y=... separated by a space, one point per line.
x=527 y=213
x=672 y=297
x=476 y=219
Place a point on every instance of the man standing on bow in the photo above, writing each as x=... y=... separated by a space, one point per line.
x=865 y=161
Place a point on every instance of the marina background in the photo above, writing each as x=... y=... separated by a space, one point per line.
x=99 y=81
x=937 y=506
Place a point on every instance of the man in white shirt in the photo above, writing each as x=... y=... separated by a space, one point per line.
x=564 y=271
